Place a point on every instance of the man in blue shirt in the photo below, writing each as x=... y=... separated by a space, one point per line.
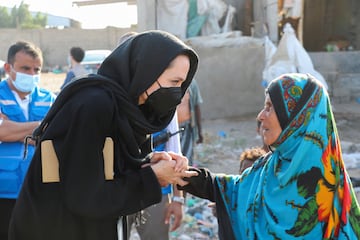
x=22 y=107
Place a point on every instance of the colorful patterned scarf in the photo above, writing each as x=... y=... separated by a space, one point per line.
x=301 y=190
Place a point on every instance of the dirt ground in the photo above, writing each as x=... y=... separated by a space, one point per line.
x=225 y=139
x=52 y=81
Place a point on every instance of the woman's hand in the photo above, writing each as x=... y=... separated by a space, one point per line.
x=156 y=157
x=165 y=173
x=170 y=168
x=181 y=161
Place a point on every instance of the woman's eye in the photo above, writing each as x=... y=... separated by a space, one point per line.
x=176 y=82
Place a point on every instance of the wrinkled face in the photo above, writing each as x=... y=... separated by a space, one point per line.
x=173 y=76
x=270 y=125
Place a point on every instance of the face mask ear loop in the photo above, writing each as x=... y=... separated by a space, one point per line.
x=146 y=93
x=157 y=83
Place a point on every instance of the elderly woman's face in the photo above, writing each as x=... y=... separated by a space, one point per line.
x=270 y=125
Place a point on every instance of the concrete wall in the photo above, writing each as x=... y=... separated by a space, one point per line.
x=341 y=70
x=230 y=80
x=229 y=77
x=56 y=43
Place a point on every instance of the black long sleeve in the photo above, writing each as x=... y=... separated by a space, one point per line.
x=202 y=185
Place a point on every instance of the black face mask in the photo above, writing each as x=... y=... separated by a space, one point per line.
x=163 y=100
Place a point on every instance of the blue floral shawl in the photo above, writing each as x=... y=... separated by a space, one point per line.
x=301 y=190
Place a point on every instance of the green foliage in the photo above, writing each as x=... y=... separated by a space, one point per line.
x=20 y=17
x=40 y=19
x=5 y=18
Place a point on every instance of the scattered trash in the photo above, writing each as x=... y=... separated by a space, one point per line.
x=198 y=222
x=222 y=134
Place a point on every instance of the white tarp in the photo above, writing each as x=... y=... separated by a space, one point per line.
x=228 y=19
x=228 y=39
x=270 y=50
x=204 y=17
x=293 y=8
x=172 y=16
x=290 y=56
x=215 y=9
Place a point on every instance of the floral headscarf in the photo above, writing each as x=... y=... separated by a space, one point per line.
x=301 y=190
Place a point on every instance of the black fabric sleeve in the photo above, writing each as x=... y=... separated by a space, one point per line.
x=202 y=185
x=85 y=191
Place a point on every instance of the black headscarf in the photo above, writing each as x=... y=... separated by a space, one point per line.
x=125 y=74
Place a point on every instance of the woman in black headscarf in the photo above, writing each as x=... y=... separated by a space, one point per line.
x=93 y=162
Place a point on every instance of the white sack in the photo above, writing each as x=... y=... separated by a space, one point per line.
x=290 y=56
x=172 y=16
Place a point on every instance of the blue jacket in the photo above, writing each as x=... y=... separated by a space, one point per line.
x=13 y=167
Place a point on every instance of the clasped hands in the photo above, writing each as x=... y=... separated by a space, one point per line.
x=170 y=167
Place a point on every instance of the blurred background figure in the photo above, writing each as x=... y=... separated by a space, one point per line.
x=189 y=118
x=76 y=69
x=249 y=156
x=2 y=70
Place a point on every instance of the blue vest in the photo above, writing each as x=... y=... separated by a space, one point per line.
x=13 y=166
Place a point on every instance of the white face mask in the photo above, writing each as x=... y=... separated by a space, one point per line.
x=26 y=82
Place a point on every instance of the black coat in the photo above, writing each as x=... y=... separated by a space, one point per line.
x=83 y=205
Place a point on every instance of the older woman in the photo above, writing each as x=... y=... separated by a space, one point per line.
x=300 y=190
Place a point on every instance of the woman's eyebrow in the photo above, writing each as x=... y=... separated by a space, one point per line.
x=179 y=79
